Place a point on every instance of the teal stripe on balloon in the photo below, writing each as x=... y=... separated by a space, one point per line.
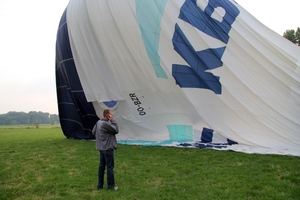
x=149 y=14
x=181 y=133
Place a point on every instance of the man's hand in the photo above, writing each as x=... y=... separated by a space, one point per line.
x=110 y=117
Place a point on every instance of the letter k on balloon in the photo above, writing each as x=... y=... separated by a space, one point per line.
x=196 y=75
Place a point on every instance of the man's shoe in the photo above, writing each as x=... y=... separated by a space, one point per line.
x=114 y=188
x=99 y=187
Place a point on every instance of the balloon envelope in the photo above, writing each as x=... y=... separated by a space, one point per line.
x=202 y=73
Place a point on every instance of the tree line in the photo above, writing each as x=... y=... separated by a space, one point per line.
x=31 y=118
x=293 y=36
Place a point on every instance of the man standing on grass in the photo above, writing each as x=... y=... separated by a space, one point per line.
x=105 y=131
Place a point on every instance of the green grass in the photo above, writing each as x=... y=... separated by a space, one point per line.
x=42 y=164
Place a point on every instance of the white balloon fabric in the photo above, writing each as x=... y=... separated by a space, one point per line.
x=198 y=73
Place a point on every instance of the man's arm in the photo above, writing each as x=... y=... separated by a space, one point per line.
x=94 y=129
x=112 y=127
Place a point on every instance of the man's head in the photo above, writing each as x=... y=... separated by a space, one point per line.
x=107 y=114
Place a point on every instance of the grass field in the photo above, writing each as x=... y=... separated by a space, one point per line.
x=42 y=164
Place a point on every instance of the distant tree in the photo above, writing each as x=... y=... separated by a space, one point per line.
x=54 y=119
x=293 y=36
x=33 y=117
x=14 y=122
x=37 y=125
x=298 y=36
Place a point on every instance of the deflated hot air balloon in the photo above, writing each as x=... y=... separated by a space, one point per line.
x=198 y=73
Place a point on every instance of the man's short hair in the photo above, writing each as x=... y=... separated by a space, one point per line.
x=106 y=112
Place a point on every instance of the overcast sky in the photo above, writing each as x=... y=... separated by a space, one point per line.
x=27 y=47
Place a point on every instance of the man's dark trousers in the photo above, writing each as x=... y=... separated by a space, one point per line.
x=106 y=160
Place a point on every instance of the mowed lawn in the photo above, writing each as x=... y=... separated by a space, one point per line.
x=40 y=163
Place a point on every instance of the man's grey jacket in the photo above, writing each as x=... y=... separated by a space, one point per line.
x=105 y=133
